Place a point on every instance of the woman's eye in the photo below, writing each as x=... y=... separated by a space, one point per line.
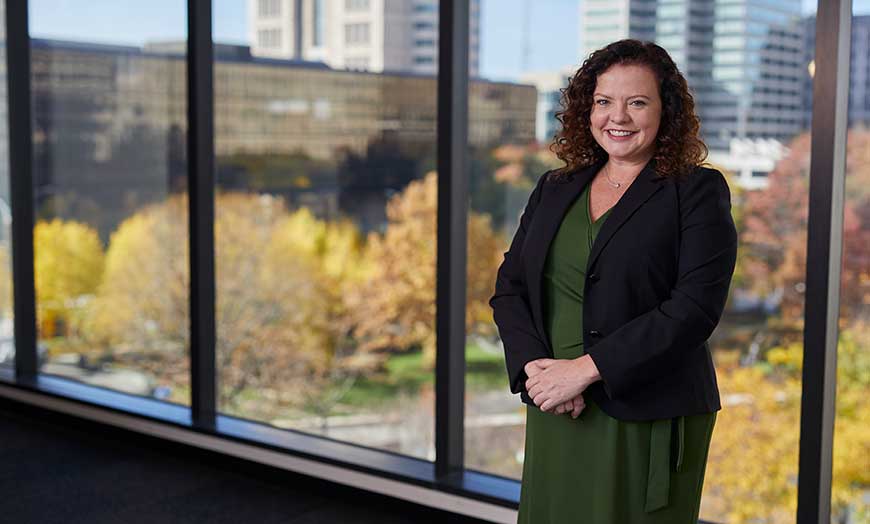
x=601 y=102
x=639 y=103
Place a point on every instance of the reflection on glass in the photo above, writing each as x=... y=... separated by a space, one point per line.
x=850 y=487
x=747 y=66
x=110 y=236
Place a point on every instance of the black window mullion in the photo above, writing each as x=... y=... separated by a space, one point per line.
x=200 y=149
x=824 y=256
x=21 y=187
x=452 y=233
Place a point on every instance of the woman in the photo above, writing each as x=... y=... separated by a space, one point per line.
x=614 y=281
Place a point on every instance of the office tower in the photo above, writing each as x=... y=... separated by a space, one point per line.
x=859 y=71
x=548 y=85
x=605 y=21
x=742 y=58
x=367 y=35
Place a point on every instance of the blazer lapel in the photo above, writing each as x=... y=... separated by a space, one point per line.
x=555 y=202
x=643 y=187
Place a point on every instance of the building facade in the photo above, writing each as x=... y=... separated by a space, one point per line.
x=365 y=35
x=741 y=58
x=112 y=119
x=859 y=71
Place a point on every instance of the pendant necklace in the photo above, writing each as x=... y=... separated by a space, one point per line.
x=610 y=180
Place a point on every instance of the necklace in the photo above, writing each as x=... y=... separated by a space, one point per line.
x=610 y=180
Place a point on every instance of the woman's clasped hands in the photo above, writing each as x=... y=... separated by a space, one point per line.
x=558 y=384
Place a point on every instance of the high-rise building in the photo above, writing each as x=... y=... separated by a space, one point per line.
x=859 y=71
x=366 y=35
x=548 y=85
x=605 y=21
x=742 y=58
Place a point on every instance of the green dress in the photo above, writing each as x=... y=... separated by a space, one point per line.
x=596 y=469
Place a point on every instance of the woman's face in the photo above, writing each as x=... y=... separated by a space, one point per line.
x=626 y=111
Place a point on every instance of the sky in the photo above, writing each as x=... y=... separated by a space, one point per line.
x=552 y=27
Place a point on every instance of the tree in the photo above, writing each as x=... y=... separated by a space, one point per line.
x=279 y=312
x=394 y=309
x=68 y=264
x=753 y=463
x=774 y=236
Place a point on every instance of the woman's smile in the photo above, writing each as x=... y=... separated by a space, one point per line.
x=620 y=135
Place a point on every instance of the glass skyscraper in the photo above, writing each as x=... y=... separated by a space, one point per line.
x=742 y=58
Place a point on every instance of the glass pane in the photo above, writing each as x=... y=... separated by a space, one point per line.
x=109 y=170
x=7 y=333
x=325 y=219
x=747 y=67
x=850 y=489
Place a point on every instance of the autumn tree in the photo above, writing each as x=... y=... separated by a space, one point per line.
x=774 y=236
x=394 y=309
x=279 y=278
x=6 y=300
x=68 y=265
x=752 y=468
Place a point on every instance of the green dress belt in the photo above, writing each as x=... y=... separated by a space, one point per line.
x=658 y=481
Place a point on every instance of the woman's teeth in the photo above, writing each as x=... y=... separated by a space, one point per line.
x=620 y=133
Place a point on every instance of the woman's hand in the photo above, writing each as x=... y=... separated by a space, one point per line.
x=556 y=381
x=534 y=367
x=573 y=406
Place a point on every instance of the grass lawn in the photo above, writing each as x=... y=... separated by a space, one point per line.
x=406 y=373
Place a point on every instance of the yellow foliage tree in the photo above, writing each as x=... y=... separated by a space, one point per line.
x=753 y=464
x=279 y=278
x=309 y=267
x=142 y=301
x=6 y=300
x=68 y=265
x=394 y=309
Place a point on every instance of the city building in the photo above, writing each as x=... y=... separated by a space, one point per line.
x=549 y=85
x=859 y=71
x=367 y=35
x=750 y=160
x=742 y=59
x=110 y=117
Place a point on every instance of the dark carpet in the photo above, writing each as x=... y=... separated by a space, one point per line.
x=56 y=468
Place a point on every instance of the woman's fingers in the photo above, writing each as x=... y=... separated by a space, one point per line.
x=579 y=404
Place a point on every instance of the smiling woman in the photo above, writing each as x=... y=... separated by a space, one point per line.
x=587 y=332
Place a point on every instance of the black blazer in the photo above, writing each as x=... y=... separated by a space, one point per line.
x=656 y=284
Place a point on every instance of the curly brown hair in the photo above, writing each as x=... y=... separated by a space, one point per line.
x=678 y=148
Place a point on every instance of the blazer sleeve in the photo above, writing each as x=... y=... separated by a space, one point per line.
x=510 y=304
x=649 y=345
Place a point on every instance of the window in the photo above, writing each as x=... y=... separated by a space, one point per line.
x=309 y=164
x=319 y=16
x=269 y=8
x=356 y=33
x=269 y=38
x=426 y=8
x=109 y=181
x=356 y=5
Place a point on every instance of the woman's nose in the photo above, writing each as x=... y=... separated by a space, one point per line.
x=619 y=114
